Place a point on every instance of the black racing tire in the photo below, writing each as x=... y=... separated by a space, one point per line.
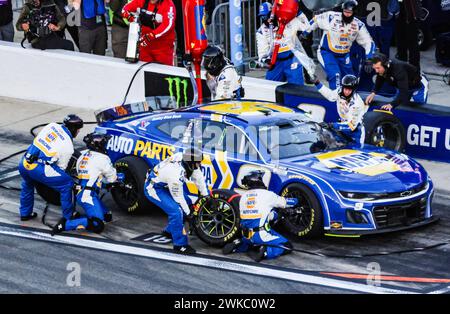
x=131 y=198
x=306 y=220
x=383 y=129
x=216 y=218
x=50 y=195
x=424 y=37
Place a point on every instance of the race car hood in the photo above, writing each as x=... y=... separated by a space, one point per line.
x=371 y=170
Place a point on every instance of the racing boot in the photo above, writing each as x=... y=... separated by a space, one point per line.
x=185 y=249
x=59 y=227
x=107 y=217
x=259 y=255
x=231 y=247
x=167 y=234
x=29 y=217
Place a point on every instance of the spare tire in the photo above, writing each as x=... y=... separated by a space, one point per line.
x=383 y=129
x=131 y=198
x=216 y=218
x=50 y=195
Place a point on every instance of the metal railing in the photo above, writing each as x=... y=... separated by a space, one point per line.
x=219 y=29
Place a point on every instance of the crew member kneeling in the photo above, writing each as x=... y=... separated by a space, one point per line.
x=350 y=107
x=164 y=187
x=257 y=208
x=46 y=161
x=92 y=166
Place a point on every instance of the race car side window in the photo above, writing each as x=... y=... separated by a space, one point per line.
x=173 y=128
x=224 y=137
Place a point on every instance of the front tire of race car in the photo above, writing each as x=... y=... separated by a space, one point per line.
x=131 y=198
x=216 y=218
x=306 y=220
x=383 y=129
x=50 y=195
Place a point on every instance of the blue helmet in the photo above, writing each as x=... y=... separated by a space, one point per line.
x=264 y=9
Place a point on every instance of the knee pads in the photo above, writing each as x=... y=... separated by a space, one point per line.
x=95 y=225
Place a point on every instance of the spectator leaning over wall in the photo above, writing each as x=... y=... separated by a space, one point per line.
x=119 y=28
x=40 y=20
x=92 y=32
x=6 y=21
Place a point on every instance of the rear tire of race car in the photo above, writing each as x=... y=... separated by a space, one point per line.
x=216 y=218
x=50 y=195
x=308 y=220
x=131 y=199
x=384 y=130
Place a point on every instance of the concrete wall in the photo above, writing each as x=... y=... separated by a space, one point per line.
x=83 y=80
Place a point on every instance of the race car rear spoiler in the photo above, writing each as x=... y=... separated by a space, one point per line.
x=151 y=104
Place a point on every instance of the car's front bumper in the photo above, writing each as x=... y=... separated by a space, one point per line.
x=357 y=233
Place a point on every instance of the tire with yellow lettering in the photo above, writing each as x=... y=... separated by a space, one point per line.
x=131 y=198
x=306 y=219
x=50 y=195
x=216 y=218
x=383 y=129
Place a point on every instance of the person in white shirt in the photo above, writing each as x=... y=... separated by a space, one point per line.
x=222 y=79
x=292 y=57
x=45 y=162
x=350 y=107
x=341 y=30
x=258 y=207
x=164 y=188
x=94 y=169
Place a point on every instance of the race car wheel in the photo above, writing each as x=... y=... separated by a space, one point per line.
x=306 y=220
x=130 y=197
x=383 y=129
x=50 y=195
x=216 y=218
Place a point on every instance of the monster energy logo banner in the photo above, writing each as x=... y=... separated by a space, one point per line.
x=178 y=88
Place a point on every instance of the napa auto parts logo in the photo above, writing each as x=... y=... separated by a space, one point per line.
x=178 y=88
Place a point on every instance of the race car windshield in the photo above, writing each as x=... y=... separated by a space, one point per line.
x=298 y=138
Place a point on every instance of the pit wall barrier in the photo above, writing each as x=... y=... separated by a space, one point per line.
x=427 y=126
x=82 y=80
x=93 y=82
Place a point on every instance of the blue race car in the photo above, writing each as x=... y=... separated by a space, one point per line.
x=343 y=190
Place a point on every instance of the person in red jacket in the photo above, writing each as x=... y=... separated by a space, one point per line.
x=158 y=29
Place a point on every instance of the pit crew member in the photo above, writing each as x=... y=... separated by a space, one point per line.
x=94 y=167
x=157 y=19
x=407 y=78
x=291 y=56
x=164 y=187
x=350 y=107
x=341 y=29
x=257 y=210
x=45 y=162
x=222 y=79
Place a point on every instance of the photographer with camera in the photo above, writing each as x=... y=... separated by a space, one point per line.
x=40 y=20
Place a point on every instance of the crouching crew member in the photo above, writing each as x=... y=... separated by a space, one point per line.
x=257 y=208
x=164 y=187
x=93 y=166
x=46 y=161
x=350 y=107
x=223 y=80
x=408 y=80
